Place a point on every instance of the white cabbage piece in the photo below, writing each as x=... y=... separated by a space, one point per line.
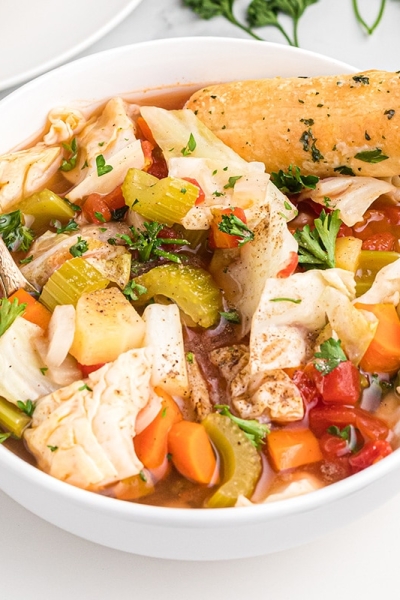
x=25 y=172
x=355 y=328
x=107 y=134
x=164 y=336
x=172 y=129
x=352 y=196
x=82 y=434
x=21 y=377
x=265 y=256
x=130 y=156
x=282 y=330
x=63 y=375
x=65 y=123
x=51 y=250
x=386 y=287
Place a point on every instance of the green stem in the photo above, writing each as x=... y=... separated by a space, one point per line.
x=369 y=30
x=234 y=21
x=283 y=32
x=295 y=37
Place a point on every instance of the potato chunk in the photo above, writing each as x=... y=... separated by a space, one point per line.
x=106 y=325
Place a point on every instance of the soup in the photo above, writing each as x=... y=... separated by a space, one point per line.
x=194 y=332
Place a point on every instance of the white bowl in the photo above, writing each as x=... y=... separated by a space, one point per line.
x=202 y=534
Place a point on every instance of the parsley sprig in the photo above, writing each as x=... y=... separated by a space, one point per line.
x=317 y=246
x=27 y=407
x=232 y=225
x=79 y=248
x=69 y=163
x=147 y=242
x=369 y=29
x=253 y=430
x=15 y=234
x=133 y=290
x=292 y=182
x=9 y=311
x=329 y=357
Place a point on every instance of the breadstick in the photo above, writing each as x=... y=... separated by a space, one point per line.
x=324 y=125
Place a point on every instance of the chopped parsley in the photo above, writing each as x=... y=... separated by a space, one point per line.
x=292 y=182
x=390 y=113
x=317 y=246
x=4 y=437
x=102 y=167
x=44 y=370
x=309 y=145
x=79 y=248
x=231 y=315
x=70 y=163
x=9 y=311
x=190 y=357
x=371 y=156
x=232 y=225
x=343 y=170
x=147 y=242
x=190 y=146
x=27 y=407
x=133 y=290
x=70 y=226
x=85 y=387
x=295 y=301
x=25 y=261
x=52 y=448
x=329 y=357
x=253 y=429
x=361 y=79
x=232 y=181
x=15 y=234
x=99 y=216
x=142 y=476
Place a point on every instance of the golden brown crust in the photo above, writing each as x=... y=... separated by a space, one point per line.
x=317 y=123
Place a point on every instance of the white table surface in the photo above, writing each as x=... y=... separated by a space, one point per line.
x=39 y=561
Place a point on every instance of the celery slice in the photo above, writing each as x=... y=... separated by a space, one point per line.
x=370 y=263
x=12 y=419
x=74 y=278
x=192 y=288
x=165 y=200
x=241 y=463
x=45 y=206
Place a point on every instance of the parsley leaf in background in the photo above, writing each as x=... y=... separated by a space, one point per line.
x=369 y=29
x=9 y=311
x=207 y=9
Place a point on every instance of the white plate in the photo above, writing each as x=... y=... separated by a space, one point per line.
x=41 y=34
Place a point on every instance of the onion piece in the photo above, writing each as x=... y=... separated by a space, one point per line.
x=61 y=333
x=148 y=412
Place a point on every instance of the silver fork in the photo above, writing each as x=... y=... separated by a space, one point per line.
x=11 y=278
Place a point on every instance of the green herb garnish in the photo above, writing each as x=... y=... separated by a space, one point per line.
x=79 y=248
x=253 y=430
x=298 y=301
x=85 y=387
x=27 y=407
x=52 y=448
x=232 y=181
x=231 y=315
x=371 y=156
x=329 y=357
x=70 y=226
x=232 y=225
x=292 y=182
x=4 y=437
x=72 y=148
x=343 y=170
x=9 y=311
x=15 y=234
x=369 y=29
x=101 y=166
x=190 y=146
x=133 y=290
x=317 y=246
x=190 y=357
x=147 y=242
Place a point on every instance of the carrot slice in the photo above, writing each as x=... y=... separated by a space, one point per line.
x=151 y=444
x=383 y=353
x=290 y=448
x=35 y=312
x=192 y=452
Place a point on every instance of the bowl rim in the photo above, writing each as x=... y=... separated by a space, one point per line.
x=171 y=516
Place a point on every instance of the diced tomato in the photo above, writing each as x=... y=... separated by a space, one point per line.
x=307 y=388
x=290 y=267
x=333 y=446
x=370 y=453
x=86 y=369
x=322 y=417
x=371 y=426
x=380 y=241
x=220 y=239
x=345 y=231
x=201 y=197
x=159 y=167
x=95 y=203
x=341 y=385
